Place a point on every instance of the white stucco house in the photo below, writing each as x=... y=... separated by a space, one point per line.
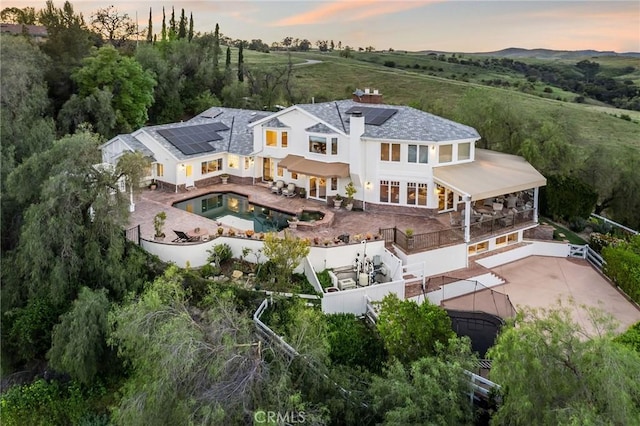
x=400 y=159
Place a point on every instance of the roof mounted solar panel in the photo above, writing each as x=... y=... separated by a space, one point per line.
x=372 y=115
x=257 y=117
x=194 y=139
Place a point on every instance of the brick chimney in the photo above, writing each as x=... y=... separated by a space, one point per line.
x=367 y=97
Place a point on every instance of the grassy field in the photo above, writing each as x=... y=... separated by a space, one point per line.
x=336 y=78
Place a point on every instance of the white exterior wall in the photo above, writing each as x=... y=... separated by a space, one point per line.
x=113 y=150
x=355 y=301
x=438 y=261
x=533 y=248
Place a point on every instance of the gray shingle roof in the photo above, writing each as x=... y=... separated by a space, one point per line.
x=319 y=128
x=237 y=140
x=136 y=145
x=407 y=124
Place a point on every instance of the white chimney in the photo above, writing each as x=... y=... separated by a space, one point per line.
x=356 y=146
x=375 y=91
x=366 y=91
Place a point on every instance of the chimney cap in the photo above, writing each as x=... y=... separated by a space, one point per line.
x=356 y=113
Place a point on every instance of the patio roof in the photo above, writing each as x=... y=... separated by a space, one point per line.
x=491 y=174
x=298 y=164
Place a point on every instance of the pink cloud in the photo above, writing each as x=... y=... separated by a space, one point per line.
x=354 y=10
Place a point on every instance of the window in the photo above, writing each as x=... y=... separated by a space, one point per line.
x=512 y=238
x=272 y=138
x=479 y=248
x=285 y=139
x=418 y=154
x=334 y=146
x=233 y=161
x=247 y=162
x=446 y=154
x=501 y=241
x=390 y=152
x=294 y=175
x=211 y=166
x=417 y=194
x=318 y=144
x=464 y=151
x=159 y=169
x=334 y=184
x=389 y=191
x=280 y=171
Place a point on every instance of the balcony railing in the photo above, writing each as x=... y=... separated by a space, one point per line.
x=489 y=225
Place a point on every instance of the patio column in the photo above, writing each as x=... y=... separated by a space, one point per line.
x=535 y=204
x=132 y=206
x=467 y=218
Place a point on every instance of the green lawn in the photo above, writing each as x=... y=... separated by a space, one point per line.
x=568 y=234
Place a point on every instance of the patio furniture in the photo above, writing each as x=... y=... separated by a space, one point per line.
x=497 y=207
x=512 y=201
x=507 y=220
x=290 y=190
x=276 y=188
x=183 y=237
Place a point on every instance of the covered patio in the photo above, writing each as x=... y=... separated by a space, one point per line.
x=497 y=190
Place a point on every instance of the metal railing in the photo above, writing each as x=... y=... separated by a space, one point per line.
x=133 y=234
x=420 y=242
x=616 y=224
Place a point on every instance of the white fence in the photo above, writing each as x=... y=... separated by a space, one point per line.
x=354 y=301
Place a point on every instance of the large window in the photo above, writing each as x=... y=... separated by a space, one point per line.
x=389 y=191
x=159 y=169
x=334 y=146
x=233 y=161
x=272 y=138
x=464 y=151
x=417 y=194
x=418 y=154
x=211 y=166
x=318 y=144
x=285 y=139
x=390 y=152
x=446 y=154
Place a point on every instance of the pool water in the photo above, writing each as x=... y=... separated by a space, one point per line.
x=218 y=205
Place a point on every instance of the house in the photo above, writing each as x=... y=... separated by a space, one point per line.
x=37 y=32
x=400 y=160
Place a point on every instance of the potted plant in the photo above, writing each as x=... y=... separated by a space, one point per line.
x=409 y=233
x=302 y=192
x=293 y=222
x=158 y=225
x=249 y=233
x=350 y=190
x=153 y=185
x=220 y=231
x=337 y=201
x=225 y=178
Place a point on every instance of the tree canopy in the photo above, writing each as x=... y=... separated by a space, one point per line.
x=130 y=86
x=554 y=371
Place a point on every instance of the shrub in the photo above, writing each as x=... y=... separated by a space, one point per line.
x=353 y=344
x=567 y=197
x=623 y=266
x=324 y=278
x=631 y=337
x=390 y=64
x=577 y=224
x=219 y=254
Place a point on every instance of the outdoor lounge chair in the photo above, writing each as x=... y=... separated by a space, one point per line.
x=290 y=190
x=183 y=237
x=276 y=188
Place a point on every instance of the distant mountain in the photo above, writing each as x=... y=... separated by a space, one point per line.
x=516 y=52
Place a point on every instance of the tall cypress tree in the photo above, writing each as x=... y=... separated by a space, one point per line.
x=150 y=30
x=191 y=27
x=172 y=25
x=240 y=64
x=227 y=68
x=164 y=25
x=182 y=29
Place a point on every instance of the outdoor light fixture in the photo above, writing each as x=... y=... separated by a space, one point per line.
x=368 y=185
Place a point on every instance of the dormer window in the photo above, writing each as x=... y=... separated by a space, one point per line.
x=277 y=138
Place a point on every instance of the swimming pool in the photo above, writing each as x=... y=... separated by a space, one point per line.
x=227 y=206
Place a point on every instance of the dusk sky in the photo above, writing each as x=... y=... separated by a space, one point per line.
x=454 y=26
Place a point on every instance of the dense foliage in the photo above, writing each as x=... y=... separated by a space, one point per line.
x=623 y=266
x=554 y=371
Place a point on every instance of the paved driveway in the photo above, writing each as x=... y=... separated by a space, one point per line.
x=539 y=281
